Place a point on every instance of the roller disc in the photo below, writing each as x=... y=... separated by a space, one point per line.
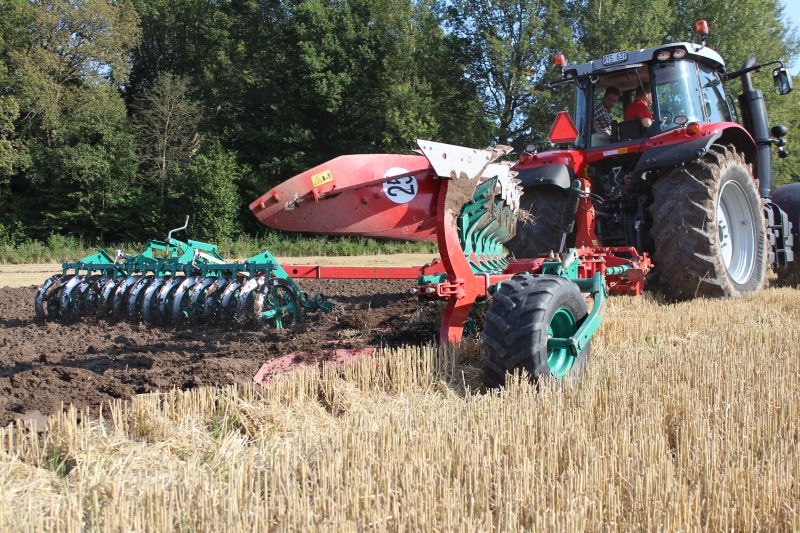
x=46 y=302
x=228 y=301
x=89 y=294
x=165 y=296
x=213 y=300
x=245 y=307
x=135 y=298
x=121 y=296
x=68 y=298
x=106 y=304
x=277 y=303
x=150 y=300
x=198 y=298
x=180 y=302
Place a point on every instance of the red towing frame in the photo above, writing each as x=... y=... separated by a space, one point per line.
x=463 y=288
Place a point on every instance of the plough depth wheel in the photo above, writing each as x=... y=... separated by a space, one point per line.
x=526 y=312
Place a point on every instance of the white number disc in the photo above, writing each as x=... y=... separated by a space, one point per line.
x=400 y=190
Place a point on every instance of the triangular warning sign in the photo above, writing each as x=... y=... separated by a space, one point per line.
x=563 y=130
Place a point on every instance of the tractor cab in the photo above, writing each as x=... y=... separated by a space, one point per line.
x=677 y=84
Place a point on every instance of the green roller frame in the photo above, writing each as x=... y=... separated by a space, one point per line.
x=173 y=279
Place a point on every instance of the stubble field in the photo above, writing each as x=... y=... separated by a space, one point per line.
x=686 y=418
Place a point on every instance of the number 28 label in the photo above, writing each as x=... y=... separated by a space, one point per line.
x=400 y=190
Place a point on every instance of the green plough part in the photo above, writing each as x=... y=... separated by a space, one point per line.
x=177 y=282
x=485 y=223
x=596 y=287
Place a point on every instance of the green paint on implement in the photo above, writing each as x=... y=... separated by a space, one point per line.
x=279 y=298
x=560 y=358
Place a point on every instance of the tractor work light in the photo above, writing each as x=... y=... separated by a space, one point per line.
x=663 y=55
x=701 y=28
x=560 y=60
x=693 y=128
x=680 y=53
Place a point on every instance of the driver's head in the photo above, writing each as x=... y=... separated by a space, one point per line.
x=610 y=98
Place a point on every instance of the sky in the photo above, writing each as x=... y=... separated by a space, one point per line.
x=791 y=8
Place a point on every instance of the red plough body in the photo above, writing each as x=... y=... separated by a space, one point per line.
x=376 y=195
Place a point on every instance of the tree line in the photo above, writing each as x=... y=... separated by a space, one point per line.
x=120 y=117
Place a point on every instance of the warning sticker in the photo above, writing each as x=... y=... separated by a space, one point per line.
x=321 y=179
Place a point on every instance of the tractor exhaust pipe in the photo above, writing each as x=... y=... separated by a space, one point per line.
x=754 y=112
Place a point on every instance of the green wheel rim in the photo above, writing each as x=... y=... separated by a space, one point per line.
x=563 y=325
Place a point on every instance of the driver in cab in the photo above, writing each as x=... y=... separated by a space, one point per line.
x=602 y=123
x=639 y=109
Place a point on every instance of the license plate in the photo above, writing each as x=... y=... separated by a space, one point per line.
x=616 y=57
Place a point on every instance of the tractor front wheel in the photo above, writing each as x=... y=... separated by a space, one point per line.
x=708 y=228
x=526 y=311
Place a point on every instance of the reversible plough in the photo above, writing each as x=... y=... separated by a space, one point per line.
x=459 y=197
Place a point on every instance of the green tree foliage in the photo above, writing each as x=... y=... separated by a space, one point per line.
x=166 y=121
x=119 y=117
x=606 y=26
x=67 y=120
x=510 y=45
x=209 y=183
x=289 y=84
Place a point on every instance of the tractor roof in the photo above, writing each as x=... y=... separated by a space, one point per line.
x=633 y=58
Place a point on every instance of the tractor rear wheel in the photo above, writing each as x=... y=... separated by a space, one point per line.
x=525 y=311
x=539 y=232
x=708 y=227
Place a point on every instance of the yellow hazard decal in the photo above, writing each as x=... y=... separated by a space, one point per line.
x=322 y=178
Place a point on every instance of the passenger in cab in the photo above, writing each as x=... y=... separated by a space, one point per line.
x=639 y=109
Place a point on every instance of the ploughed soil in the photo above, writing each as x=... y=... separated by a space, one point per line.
x=87 y=362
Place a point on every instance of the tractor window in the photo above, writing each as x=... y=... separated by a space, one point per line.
x=580 y=114
x=677 y=94
x=713 y=96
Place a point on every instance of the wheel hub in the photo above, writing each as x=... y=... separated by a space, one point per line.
x=562 y=325
x=736 y=232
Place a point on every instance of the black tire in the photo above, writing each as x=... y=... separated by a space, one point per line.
x=539 y=232
x=688 y=230
x=516 y=326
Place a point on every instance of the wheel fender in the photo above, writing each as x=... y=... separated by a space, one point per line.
x=675 y=154
x=555 y=174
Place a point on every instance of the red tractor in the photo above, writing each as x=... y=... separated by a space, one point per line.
x=692 y=186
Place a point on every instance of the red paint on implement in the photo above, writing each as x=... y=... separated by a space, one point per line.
x=294 y=361
x=323 y=272
x=350 y=195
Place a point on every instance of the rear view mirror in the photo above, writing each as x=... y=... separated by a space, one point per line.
x=783 y=82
